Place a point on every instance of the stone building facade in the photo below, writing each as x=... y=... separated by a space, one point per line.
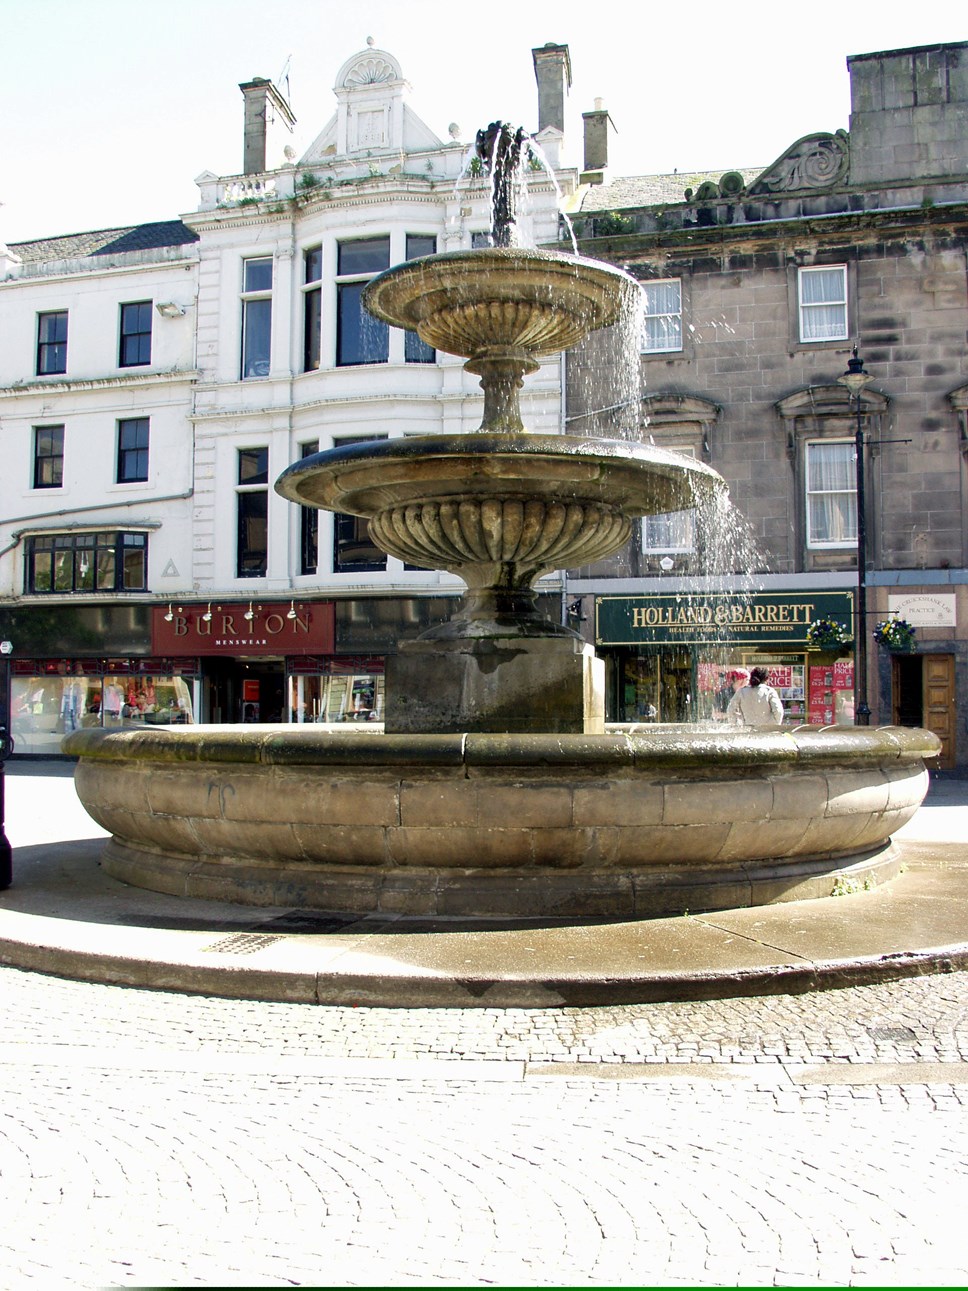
x=757 y=285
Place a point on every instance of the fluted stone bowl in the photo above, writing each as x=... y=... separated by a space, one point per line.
x=502 y=826
x=476 y=504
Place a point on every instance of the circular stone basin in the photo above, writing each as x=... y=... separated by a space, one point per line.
x=647 y=823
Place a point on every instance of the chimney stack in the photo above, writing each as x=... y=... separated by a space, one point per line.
x=264 y=106
x=552 y=70
x=596 y=143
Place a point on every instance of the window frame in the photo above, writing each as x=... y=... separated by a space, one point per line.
x=308 y=525
x=312 y=308
x=803 y=308
x=415 y=349
x=56 y=431
x=349 y=529
x=139 y=337
x=138 y=452
x=253 y=300
x=349 y=286
x=809 y=495
x=252 y=506
x=645 y=347
x=109 y=567
x=51 y=352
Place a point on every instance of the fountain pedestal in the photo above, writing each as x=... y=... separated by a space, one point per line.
x=510 y=684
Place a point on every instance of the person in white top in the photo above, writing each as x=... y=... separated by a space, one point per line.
x=756 y=704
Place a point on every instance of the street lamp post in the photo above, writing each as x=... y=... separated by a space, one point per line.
x=856 y=380
x=6 y=748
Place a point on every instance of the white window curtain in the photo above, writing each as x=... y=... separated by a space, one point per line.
x=823 y=304
x=662 y=326
x=831 y=494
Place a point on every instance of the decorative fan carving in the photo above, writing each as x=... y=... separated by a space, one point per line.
x=815 y=161
x=372 y=69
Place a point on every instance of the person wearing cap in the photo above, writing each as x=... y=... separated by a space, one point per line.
x=756 y=704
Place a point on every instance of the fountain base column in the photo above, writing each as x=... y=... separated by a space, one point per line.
x=510 y=684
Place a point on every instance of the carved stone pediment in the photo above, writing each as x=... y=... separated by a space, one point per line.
x=371 y=67
x=813 y=162
x=831 y=400
x=678 y=409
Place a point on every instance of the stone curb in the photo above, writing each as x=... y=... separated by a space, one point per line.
x=65 y=949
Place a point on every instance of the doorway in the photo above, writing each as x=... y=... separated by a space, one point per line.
x=651 y=685
x=923 y=694
x=242 y=690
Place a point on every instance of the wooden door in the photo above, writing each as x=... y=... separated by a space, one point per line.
x=939 y=703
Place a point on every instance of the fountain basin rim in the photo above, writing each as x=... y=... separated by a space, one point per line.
x=666 y=747
x=498 y=269
x=631 y=462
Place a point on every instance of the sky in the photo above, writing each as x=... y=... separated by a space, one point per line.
x=109 y=109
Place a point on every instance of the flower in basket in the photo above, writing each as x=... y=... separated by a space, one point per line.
x=827 y=634
x=896 y=634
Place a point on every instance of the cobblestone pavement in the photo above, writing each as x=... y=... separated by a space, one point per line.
x=156 y=1139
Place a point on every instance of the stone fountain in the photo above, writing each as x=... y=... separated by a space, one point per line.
x=495 y=791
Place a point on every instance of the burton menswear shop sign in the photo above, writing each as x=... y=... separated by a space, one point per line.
x=244 y=627
x=767 y=618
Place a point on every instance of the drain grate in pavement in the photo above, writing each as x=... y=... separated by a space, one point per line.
x=891 y=1035
x=241 y=943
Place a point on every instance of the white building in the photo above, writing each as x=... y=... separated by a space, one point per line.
x=155 y=381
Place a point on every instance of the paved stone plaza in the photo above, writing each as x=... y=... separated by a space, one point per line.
x=156 y=1139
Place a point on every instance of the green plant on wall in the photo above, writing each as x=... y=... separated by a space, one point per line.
x=612 y=224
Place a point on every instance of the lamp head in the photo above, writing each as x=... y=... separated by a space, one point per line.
x=855 y=378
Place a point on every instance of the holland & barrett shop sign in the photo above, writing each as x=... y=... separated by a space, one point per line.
x=767 y=618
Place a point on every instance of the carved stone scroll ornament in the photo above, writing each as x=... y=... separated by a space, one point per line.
x=815 y=161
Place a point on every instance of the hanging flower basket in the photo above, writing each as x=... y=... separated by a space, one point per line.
x=827 y=634
x=895 y=634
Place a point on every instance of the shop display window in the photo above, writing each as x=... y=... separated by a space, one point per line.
x=716 y=686
x=335 y=694
x=49 y=699
x=830 y=697
x=652 y=686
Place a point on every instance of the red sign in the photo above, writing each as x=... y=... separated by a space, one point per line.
x=244 y=628
x=781 y=674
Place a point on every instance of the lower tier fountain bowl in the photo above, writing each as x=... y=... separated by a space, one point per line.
x=633 y=824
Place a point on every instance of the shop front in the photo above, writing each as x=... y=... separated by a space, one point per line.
x=148 y=664
x=217 y=662
x=249 y=653
x=674 y=658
